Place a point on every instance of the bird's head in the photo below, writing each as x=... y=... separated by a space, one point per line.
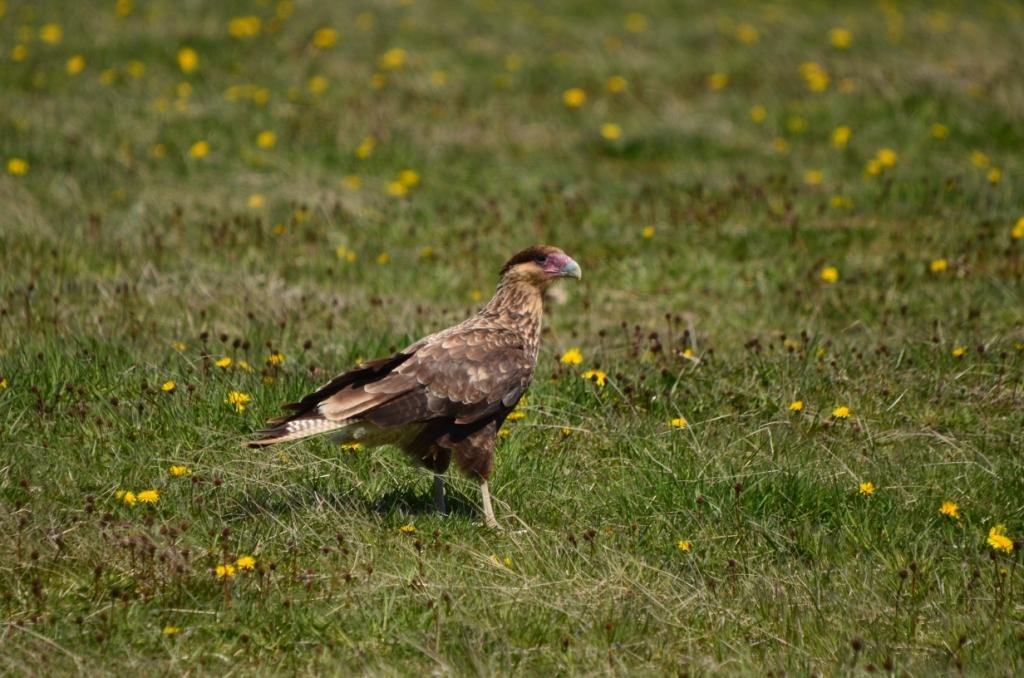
x=540 y=266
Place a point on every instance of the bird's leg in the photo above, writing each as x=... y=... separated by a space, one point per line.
x=485 y=496
x=439 y=493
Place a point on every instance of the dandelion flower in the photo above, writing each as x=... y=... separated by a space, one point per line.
x=841 y=136
x=994 y=175
x=75 y=64
x=171 y=630
x=393 y=59
x=959 y=351
x=17 y=167
x=224 y=363
x=950 y=509
x=3 y=383
x=938 y=265
x=796 y=406
x=829 y=274
x=886 y=157
x=275 y=358
x=840 y=38
x=256 y=201
x=574 y=97
x=136 y=68
x=1017 y=232
x=351 y=447
x=647 y=232
x=188 y=59
x=611 y=131
x=266 y=139
x=596 y=376
x=939 y=131
x=408 y=528
x=383 y=258
x=246 y=563
x=244 y=27
x=179 y=471
x=866 y=488
x=678 y=422
x=998 y=540
x=199 y=149
x=813 y=177
x=636 y=22
x=168 y=386
x=317 y=84
x=51 y=34
x=129 y=498
x=515 y=415
x=325 y=38
x=841 y=412
x=149 y=496
x=365 y=148
x=758 y=113
x=345 y=253
x=718 y=81
x=409 y=178
x=225 y=571
x=747 y=33
x=238 y=400
x=683 y=545
x=572 y=357
x=979 y=159
x=616 y=84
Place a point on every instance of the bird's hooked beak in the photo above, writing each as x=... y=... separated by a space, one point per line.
x=571 y=270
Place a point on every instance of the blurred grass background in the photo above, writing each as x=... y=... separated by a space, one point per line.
x=771 y=203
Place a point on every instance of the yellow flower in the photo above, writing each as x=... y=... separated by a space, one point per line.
x=647 y=232
x=780 y=145
x=266 y=139
x=324 y=38
x=841 y=412
x=135 y=68
x=998 y=540
x=718 y=81
x=636 y=22
x=950 y=509
x=938 y=265
x=596 y=376
x=747 y=33
x=168 y=386
x=616 y=84
x=397 y=189
x=246 y=563
x=225 y=571
x=574 y=97
x=171 y=630
x=979 y=159
x=866 y=488
x=256 y=201
x=796 y=406
x=383 y=258
x=840 y=38
x=683 y=545
x=758 y=113
x=238 y=400
x=840 y=202
x=572 y=357
x=939 y=131
x=959 y=351
x=829 y=274
x=345 y=253
x=224 y=363
x=75 y=64
x=178 y=345
x=678 y=422
x=365 y=148
x=17 y=166
x=611 y=131
x=813 y=177
x=243 y=365
x=275 y=358
x=841 y=136
x=408 y=528
x=994 y=175
x=815 y=76
x=351 y=447
x=393 y=59
x=188 y=59
x=129 y=498
x=1017 y=232
x=3 y=383
x=149 y=496
x=51 y=34
x=179 y=471
x=515 y=415
x=19 y=52
x=409 y=178
x=199 y=149
x=243 y=27
x=317 y=84
x=886 y=157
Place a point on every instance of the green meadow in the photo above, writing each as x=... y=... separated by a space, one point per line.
x=777 y=428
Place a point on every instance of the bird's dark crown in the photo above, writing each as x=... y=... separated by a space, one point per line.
x=535 y=253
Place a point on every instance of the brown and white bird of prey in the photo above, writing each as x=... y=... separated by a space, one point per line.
x=447 y=394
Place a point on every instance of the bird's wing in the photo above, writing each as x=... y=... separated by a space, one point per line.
x=465 y=376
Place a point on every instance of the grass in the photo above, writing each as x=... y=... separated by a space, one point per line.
x=128 y=263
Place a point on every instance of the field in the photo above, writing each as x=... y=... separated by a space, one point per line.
x=789 y=438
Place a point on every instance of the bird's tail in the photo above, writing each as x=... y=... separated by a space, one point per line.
x=294 y=428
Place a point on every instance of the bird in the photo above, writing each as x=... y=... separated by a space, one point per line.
x=447 y=395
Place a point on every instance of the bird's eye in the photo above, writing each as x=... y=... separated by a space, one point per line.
x=540 y=258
